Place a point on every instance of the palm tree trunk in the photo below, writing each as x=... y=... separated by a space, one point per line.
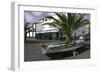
x=68 y=38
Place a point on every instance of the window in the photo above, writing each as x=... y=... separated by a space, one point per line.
x=50 y=26
x=45 y=19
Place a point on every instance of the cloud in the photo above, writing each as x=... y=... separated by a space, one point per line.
x=87 y=17
x=28 y=17
x=50 y=14
x=37 y=13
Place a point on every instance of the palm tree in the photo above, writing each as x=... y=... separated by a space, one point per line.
x=68 y=23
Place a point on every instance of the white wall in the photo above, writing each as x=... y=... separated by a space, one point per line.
x=5 y=38
x=47 y=27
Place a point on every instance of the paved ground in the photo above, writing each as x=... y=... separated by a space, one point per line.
x=83 y=55
x=33 y=52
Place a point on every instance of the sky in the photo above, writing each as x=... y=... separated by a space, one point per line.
x=32 y=17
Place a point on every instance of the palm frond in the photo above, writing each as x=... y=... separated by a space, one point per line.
x=62 y=17
x=77 y=22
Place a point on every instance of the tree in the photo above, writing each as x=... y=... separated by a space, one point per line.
x=26 y=30
x=68 y=23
